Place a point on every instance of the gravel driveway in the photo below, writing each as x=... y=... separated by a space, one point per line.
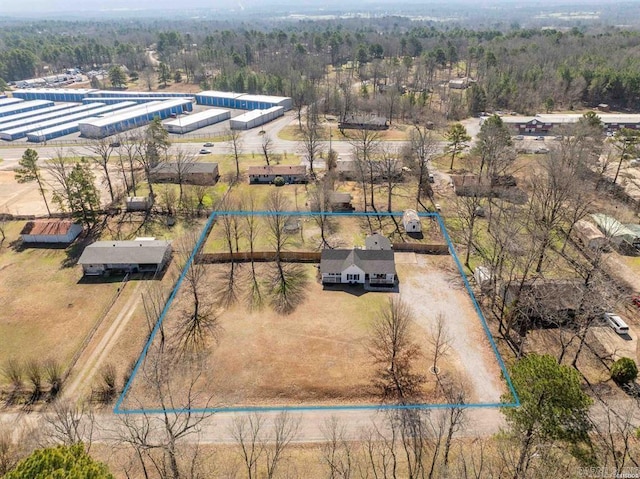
x=431 y=285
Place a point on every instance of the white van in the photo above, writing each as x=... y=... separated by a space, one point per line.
x=616 y=322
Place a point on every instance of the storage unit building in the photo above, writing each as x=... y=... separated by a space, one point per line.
x=23 y=131
x=242 y=101
x=25 y=115
x=138 y=94
x=4 y=101
x=24 y=106
x=254 y=118
x=136 y=99
x=50 y=231
x=217 y=98
x=10 y=124
x=53 y=94
x=73 y=126
x=197 y=120
x=102 y=127
x=139 y=256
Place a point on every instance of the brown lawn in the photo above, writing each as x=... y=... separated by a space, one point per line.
x=46 y=310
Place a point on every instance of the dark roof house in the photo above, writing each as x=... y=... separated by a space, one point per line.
x=197 y=173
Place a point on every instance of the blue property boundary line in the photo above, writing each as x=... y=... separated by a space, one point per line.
x=203 y=236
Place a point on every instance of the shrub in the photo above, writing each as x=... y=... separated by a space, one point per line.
x=53 y=375
x=624 y=370
x=278 y=181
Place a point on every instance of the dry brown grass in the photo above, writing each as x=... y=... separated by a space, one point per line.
x=47 y=310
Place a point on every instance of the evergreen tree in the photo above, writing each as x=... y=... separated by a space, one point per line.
x=29 y=171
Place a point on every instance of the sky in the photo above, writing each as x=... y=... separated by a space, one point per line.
x=30 y=7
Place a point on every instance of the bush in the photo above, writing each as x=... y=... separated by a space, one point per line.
x=624 y=370
x=278 y=181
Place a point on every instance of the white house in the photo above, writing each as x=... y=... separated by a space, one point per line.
x=377 y=241
x=411 y=221
x=138 y=256
x=358 y=266
x=50 y=231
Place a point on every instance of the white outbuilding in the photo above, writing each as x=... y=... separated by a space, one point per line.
x=411 y=221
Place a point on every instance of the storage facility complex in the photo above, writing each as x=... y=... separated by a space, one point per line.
x=22 y=131
x=242 y=101
x=139 y=94
x=15 y=123
x=101 y=127
x=254 y=118
x=197 y=120
x=74 y=126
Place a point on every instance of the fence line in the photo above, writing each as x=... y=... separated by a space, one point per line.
x=259 y=256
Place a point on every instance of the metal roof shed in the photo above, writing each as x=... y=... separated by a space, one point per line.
x=615 y=230
x=197 y=120
x=255 y=118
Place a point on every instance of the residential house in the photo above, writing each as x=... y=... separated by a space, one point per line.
x=138 y=256
x=411 y=221
x=358 y=266
x=461 y=83
x=590 y=236
x=50 y=231
x=363 y=122
x=194 y=173
x=267 y=174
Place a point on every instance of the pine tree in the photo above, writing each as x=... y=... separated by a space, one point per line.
x=29 y=171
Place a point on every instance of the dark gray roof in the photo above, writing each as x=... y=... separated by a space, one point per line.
x=189 y=167
x=370 y=261
x=125 y=252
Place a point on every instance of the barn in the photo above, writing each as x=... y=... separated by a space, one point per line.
x=50 y=231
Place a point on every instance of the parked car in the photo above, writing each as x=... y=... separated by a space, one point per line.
x=519 y=137
x=616 y=323
x=115 y=144
x=636 y=301
x=540 y=138
x=204 y=151
x=541 y=151
x=432 y=179
x=208 y=144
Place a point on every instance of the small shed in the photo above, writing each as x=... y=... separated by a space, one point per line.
x=340 y=201
x=482 y=277
x=139 y=203
x=50 y=231
x=411 y=221
x=590 y=236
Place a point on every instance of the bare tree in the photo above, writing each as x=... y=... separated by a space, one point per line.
x=468 y=208
x=130 y=149
x=198 y=323
x=422 y=147
x=252 y=232
x=235 y=148
x=267 y=148
x=395 y=354
x=440 y=340
x=312 y=144
x=103 y=148
x=337 y=451
x=69 y=424
x=183 y=161
x=365 y=145
x=60 y=169
x=288 y=280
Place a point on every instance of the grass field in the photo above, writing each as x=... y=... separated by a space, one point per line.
x=47 y=310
